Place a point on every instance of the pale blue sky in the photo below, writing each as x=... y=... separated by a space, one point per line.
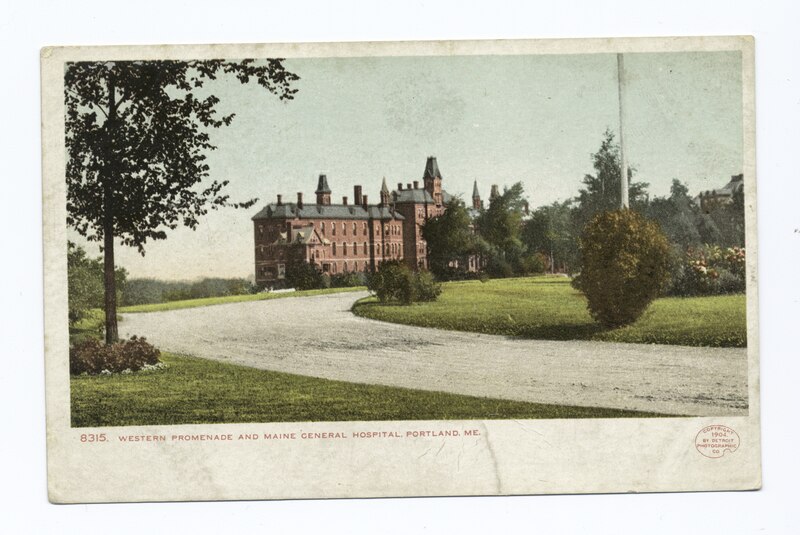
x=497 y=119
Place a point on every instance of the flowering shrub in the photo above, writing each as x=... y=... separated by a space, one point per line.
x=709 y=270
x=93 y=357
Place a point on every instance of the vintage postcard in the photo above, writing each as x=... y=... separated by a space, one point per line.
x=400 y=269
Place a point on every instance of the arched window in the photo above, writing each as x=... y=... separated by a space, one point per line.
x=334 y=250
x=345 y=267
x=355 y=248
x=365 y=228
x=333 y=228
x=344 y=229
x=344 y=250
x=366 y=252
x=354 y=228
x=322 y=227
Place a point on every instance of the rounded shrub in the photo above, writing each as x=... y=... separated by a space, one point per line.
x=625 y=261
x=395 y=281
x=425 y=287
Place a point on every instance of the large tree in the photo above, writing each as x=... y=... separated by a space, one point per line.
x=601 y=190
x=137 y=136
x=551 y=231
x=451 y=240
x=501 y=226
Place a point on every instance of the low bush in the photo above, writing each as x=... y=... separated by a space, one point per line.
x=534 y=264
x=499 y=268
x=347 y=280
x=394 y=281
x=92 y=357
x=425 y=287
x=624 y=266
x=708 y=270
x=301 y=275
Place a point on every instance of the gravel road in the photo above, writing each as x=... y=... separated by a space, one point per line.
x=319 y=336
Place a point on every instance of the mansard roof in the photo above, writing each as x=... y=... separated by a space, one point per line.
x=326 y=211
x=419 y=196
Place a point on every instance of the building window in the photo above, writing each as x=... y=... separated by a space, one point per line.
x=334 y=250
x=322 y=227
x=355 y=248
x=344 y=229
x=345 y=267
x=366 y=251
x=354 y=228
x=281 y=271
x=365 y=228
x=344 y=250
x=333 y=229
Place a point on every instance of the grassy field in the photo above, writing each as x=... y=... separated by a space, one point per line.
x=191 y=390
x=549 y=308
x=209 y=301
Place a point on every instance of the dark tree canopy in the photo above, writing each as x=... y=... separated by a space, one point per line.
x=450 y=239
x=137 y=136
x=601 y=191
x=144 y=125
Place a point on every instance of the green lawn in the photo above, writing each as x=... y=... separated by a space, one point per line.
x=192 y=390
x=549 y=308
x=191 y=303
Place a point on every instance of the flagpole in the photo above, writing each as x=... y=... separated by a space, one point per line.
x=623 y=152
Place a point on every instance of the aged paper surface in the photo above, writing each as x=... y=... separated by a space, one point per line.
x=425 y=93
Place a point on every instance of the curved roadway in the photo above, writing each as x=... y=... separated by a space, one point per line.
x=319 y=336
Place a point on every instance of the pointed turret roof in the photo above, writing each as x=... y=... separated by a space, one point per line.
x=475 y=194
x=322 y=185
x=431 y=169
x=384 y=187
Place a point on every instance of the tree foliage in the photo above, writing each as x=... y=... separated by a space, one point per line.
x=137 y=139
x=551 y=231
x=85 y=282
x=141 y=128
x=451 y=240
x=500 y=225
x=601 y=191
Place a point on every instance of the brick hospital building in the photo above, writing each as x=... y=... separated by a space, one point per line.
x=351 y=236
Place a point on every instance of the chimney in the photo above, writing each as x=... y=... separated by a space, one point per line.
x=416 y=184
x=399 y=186
x=408 y=186
x=344 y=199
x=356 y=195
x=280 y=202
x=364 y=201
x=300 y=200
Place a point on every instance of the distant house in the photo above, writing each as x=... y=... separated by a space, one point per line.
x=351 y=236
x=710 y=199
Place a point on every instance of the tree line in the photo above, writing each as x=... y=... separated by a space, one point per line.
x=508 y=243
x=87 y=289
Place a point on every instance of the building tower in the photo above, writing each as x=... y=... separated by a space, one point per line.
x=323 y=191
x=433 y=180
x=384 y=193
x=476 y=197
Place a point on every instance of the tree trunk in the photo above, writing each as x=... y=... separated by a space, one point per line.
x=109 y=279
